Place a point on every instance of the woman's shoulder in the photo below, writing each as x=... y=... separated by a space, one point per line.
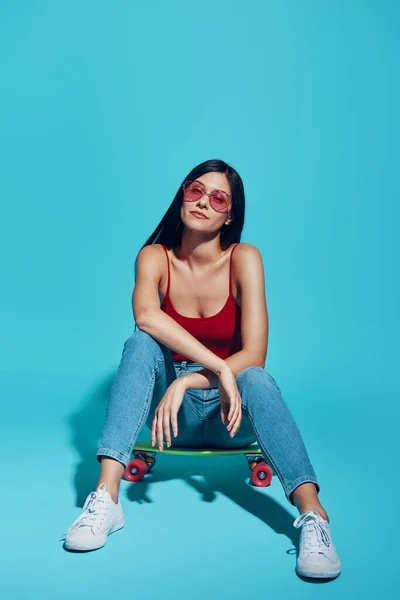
x=152 y=250
x=246 y=257
x=152 y=254
x=244 y=249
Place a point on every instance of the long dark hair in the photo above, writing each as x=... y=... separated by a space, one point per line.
x=170 y=228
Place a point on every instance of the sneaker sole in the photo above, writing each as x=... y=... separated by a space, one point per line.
x=82 y=547
x=321 y=574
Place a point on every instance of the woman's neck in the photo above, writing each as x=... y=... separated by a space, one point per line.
x=199 y=253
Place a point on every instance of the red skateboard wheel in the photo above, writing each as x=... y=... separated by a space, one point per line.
x=135 y=470
x=261 y=475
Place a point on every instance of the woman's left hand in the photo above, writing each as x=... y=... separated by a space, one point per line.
x=166 y=414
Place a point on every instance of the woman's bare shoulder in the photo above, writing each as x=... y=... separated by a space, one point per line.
x=152 y=256
x=244 y=249
x=246 y=258
x=152 y=250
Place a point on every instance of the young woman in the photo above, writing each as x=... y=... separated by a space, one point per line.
x=194 y=372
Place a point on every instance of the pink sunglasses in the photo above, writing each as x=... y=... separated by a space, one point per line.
x=194 y=190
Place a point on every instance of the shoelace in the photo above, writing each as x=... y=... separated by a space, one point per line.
x=313 y=527
x=94 y=506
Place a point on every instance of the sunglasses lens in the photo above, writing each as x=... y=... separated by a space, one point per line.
x=193 y=191
x=219 y=201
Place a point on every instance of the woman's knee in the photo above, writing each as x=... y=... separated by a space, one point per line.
x=252 y=375
x=256 y=378
x=143 y=342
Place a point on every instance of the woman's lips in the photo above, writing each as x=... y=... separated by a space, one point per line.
x=198 y=215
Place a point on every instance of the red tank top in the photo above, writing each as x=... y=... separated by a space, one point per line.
x=220 y=332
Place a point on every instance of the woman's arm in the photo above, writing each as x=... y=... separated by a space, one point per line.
x=150 y=318
x=247 y=262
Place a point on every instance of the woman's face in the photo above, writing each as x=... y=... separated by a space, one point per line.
x=214 y=220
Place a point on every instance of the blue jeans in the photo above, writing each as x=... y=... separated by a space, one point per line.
x=146 y=370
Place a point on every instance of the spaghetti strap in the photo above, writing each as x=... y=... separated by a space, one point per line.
x=230 y=269
x=165 y=250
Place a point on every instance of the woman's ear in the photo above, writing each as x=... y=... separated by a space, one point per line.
x=228 y=221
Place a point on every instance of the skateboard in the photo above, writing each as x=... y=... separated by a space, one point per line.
x=145 y=459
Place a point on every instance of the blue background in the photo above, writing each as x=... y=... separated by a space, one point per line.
x=105 y=107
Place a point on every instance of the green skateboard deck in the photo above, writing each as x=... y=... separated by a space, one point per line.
x=147 y=447
x=145 y=458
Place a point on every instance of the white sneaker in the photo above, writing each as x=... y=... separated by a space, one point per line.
x=317 y=556
x=100 y=517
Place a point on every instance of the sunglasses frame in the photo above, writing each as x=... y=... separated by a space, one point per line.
x=207 y=194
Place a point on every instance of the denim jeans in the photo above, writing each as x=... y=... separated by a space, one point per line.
x=146 y=370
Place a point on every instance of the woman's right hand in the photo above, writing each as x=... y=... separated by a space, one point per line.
x=231 y=400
